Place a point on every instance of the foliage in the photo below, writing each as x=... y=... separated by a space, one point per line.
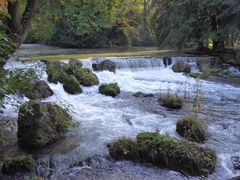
x=171 y=101
x=196 y=23
x=192 y=128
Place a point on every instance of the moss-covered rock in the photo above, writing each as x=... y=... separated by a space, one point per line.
x=181 y=67
x=86 y=77
x=17 y=164
x=73 y=64
x=56 y=72
x=167 y=152
x=109 y=89
x=124 y=149
x=39 y=124
x=192 y=128
x=72 y=86
x=106 y=65
x=171 y=101
x=39 y=90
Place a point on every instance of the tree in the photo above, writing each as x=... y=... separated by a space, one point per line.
x=19 y=25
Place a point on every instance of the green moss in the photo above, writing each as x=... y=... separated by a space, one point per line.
x=72 y=86
x=181 y=67
x=86 y=77
x=171 y=101
x=60 y=116
x=17 y=165
x=124 y=149
x=39 y=124
x=109 y=89
x=167 y=152
x=56 y=72
x=140 y=94
x=192 y=128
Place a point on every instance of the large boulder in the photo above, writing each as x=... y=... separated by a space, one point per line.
x=39 y=124
x=111 y=89
x=72 y=86
x=106 y=65
x=86 y=77
x=181 y=67
x=19 y=164
x=40 y=90
x=56 y=72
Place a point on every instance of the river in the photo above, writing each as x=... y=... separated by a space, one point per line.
x=83 y=153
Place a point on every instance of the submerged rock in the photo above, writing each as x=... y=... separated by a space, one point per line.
x=106 y=65
x=165 y=151
x=17 y=164
x=40 y=90
x=181 y=67
x=171 y=101
x=86 y=77
x=140 y=94
x=167 y=61
x=192 y=128
x=39 y=124
x=72 y=86
x=236 y=162
x=109 y=89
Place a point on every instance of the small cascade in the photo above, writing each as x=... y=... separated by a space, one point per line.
x=142 y=62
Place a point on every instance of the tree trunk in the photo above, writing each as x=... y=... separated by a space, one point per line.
x=218 y=44
x=18 y=26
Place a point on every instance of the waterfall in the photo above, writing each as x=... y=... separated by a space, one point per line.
x=141 y=62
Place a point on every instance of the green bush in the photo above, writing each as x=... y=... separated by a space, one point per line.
x=171 y=101
x=192 y=128
x=17 y=165
x=56 y=72
x=109 y=89
x=166 y=152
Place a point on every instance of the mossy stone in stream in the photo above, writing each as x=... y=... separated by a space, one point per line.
x=39 y=124
x=124 y=149
x=56 y=72
x=111 y=89
x=171 y=101
x=166 y=152
x=73 y=64
x=192 y=128
x=39 y=90
x=86 y=77
x=199 y=75
x=72 y=86
x=181 y=67
x=17 y=164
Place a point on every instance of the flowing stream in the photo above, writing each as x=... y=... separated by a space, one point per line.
x=83 y=153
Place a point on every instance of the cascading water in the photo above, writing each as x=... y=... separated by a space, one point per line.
x=103 y=119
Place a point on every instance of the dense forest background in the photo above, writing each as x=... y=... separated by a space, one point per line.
x=195 y=24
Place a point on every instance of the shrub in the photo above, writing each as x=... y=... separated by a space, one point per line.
x=17 y=164
x=192 y=129
x=86 y=77
x=72 y=86
x=171 y=101
x=181 y=67
x=109 y=89
x=165 y=151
